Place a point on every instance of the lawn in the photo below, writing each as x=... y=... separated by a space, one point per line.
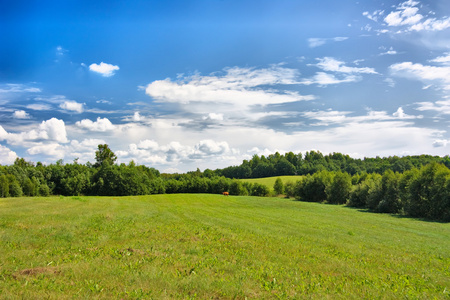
x=211 y=246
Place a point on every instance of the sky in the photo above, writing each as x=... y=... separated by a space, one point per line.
x=181 y=85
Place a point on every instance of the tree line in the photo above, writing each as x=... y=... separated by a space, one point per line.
x=419 y=192
x=314 y=161
x=106 y=178
x=417 y=186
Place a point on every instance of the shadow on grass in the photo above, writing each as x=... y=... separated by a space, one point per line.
x=366 y=210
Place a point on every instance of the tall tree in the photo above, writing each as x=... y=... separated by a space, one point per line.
x=104 y=154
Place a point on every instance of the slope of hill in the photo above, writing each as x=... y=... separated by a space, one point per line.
x=211 y=246
x=270 y=181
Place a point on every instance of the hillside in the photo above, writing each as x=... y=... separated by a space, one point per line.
x=211 y=246
x=270 y=181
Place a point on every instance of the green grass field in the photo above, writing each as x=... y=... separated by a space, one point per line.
x=211 y=246
x=270 y=181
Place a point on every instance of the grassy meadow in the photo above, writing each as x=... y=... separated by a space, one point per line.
x=270 y=181
x=211 y=246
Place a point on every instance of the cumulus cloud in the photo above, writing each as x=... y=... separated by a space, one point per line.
x=55 y=150
x=101 y=125
x=400 y=114
x=440 y=143
x=54 y=129
x=72 y=106
x=106 y=70
x=7 y=156
x=20 y=114
x=214 y=117
x=3 y=133
x=238 y=86
x=51 y=130
x=149 y=151
x=406 y=15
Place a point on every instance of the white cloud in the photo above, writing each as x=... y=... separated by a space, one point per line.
x=39 y=106
x=54 y=129
x=239 y=86
x=7 y=156
x=214 y=117
x=137 y=117
x=334 y=65
x=440 y=143
x=391 y=51
x=149 y=151
x=18 y=88
x=211 y=147
x=148 y=145
x=332 y=117
x=432 y=25
x=55 y=150
x=427 y=74
x=445 y=60
x=21 y=114
x=3 y=133
x=400 y=114
x=106 y=70
x=101 y=125
x=72 y=106
x=373 y=16
x=442 y=107
x=407 y=15
x=316 y=42
x=323 y=79
x=50 y=130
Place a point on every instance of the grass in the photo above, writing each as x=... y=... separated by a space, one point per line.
x=270 y=181
x=210 y=246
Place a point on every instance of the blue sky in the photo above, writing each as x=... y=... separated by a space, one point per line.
x=178 y=85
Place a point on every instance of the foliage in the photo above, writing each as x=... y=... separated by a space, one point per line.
x=416 y=186
x=104 y=155
x=278 y=186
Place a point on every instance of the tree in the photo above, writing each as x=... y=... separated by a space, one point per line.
x=278 y=187
x=4 y=186
x=104 y=155
x=339 y=190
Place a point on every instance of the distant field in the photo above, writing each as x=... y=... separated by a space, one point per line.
x=211 y=246
x=270 y=181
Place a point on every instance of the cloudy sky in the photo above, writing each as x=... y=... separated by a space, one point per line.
x=178 y=85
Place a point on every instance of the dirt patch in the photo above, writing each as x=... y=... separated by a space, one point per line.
x=37 y=271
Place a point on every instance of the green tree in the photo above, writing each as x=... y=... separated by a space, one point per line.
x=390 y=200
x=104 y=155
x=4 y=186
x=278 y=186
x=312 y=188
x=339 y=190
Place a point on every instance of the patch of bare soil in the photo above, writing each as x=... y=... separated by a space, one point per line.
x=37 y=271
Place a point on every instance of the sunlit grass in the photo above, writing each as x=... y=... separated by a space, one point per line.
x=270 y=181
x=211 y=246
